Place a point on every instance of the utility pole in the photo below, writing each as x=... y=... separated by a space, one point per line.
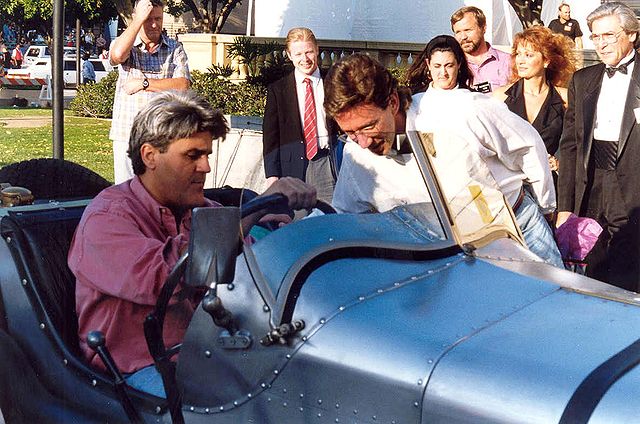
x=58 y=79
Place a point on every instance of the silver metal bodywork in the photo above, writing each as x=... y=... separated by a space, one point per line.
x=406 y=320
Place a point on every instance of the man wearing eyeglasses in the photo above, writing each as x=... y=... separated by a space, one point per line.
x=379 y=171
x=600 y=147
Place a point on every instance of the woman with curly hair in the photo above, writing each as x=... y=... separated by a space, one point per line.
x=543 y=63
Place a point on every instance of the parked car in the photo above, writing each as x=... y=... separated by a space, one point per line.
x=42 y=69
x=38 y=52
x=429 y=313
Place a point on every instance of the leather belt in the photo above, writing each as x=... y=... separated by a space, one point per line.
x=321 y=154
x=519 y=200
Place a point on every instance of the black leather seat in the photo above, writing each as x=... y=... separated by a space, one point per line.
x=40 y=241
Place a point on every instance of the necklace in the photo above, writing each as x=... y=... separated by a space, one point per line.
x=537 y=94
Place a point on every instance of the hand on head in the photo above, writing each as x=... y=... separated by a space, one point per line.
x=142 y=10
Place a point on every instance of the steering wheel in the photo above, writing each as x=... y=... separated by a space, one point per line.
x=277 y=203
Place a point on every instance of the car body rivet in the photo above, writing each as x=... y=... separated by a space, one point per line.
x=355 y=412
x=304 y=338
x=265 y=308
x=413 y=277
x=284 y=390
x=158 y=410
x=301 y=409
x=361 y=298
x=24 y=281
x=235 y=403
x=288 y=356
x=284 y=404
x=430 y=361
x=342 y=308
x=337 y=420
x=322 y=321
x=337 y=405
x=207 y=353
x=268 y=399
x=319 y=401
x=206 y=410
x=94 y=383
x=419 y=382
x=416 y=404
x=275 y=372
x=191 y=408
x=396 y=284
x=230 y=286
x=65 y=361
x=42 y=326
x=263 y=385
x=8 y=239
x=249 y=395
x=374 y=418
x=319 y=414
x=301 y=395
x=221 y=408
x=330 y=239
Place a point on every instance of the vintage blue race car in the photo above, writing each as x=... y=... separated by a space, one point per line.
x=429 y=313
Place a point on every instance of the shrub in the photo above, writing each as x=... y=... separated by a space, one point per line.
x=96 y=100
x=235 y=99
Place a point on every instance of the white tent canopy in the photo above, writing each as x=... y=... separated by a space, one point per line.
x=405 y=21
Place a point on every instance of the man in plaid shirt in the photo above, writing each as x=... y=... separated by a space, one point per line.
x=150 y=62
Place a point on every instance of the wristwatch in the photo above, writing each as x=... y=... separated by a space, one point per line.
x=145 y=84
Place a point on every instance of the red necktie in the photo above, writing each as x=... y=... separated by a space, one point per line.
x=310 y=122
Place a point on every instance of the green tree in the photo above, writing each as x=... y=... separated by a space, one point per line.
x=36 y=14
x=210 y=15
x=528 y=11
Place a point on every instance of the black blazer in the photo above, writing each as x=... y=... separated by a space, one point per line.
x=577 y=138
x=282 y=136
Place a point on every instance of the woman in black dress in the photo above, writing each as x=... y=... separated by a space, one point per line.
x=543 y=63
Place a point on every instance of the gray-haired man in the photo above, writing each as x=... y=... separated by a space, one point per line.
x=132 y=234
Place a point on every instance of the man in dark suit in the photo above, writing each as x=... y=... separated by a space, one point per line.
x=297 y=137
x=600 y=147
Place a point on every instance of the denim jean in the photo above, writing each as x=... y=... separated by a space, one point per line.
x=148 y=380
x=536 y=231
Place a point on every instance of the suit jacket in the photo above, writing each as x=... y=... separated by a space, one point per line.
x=282 y=135
x=577 y=138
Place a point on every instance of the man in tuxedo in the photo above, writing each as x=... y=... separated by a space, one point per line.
x=600 y=147
x=298 y=140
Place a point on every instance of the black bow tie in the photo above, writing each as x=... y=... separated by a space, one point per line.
x=622 y=69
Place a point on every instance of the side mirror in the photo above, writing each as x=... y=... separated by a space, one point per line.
x=213 y=246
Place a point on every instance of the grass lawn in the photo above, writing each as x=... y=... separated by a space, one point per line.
x=86 y=140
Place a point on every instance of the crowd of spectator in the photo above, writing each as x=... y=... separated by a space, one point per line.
x=15 y=42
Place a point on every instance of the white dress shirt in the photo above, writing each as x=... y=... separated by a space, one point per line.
x=611 y=102
x=318 y=96
x=372 y=183
x=509 y=146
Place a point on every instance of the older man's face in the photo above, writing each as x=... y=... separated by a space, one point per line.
x=612 y=43
x=469 y=34
x=565 y=13
x=177 y=175
x=152 y=27
x=370 y=126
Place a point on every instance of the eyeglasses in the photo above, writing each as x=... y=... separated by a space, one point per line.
x=607 y=37
x=366 y=131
